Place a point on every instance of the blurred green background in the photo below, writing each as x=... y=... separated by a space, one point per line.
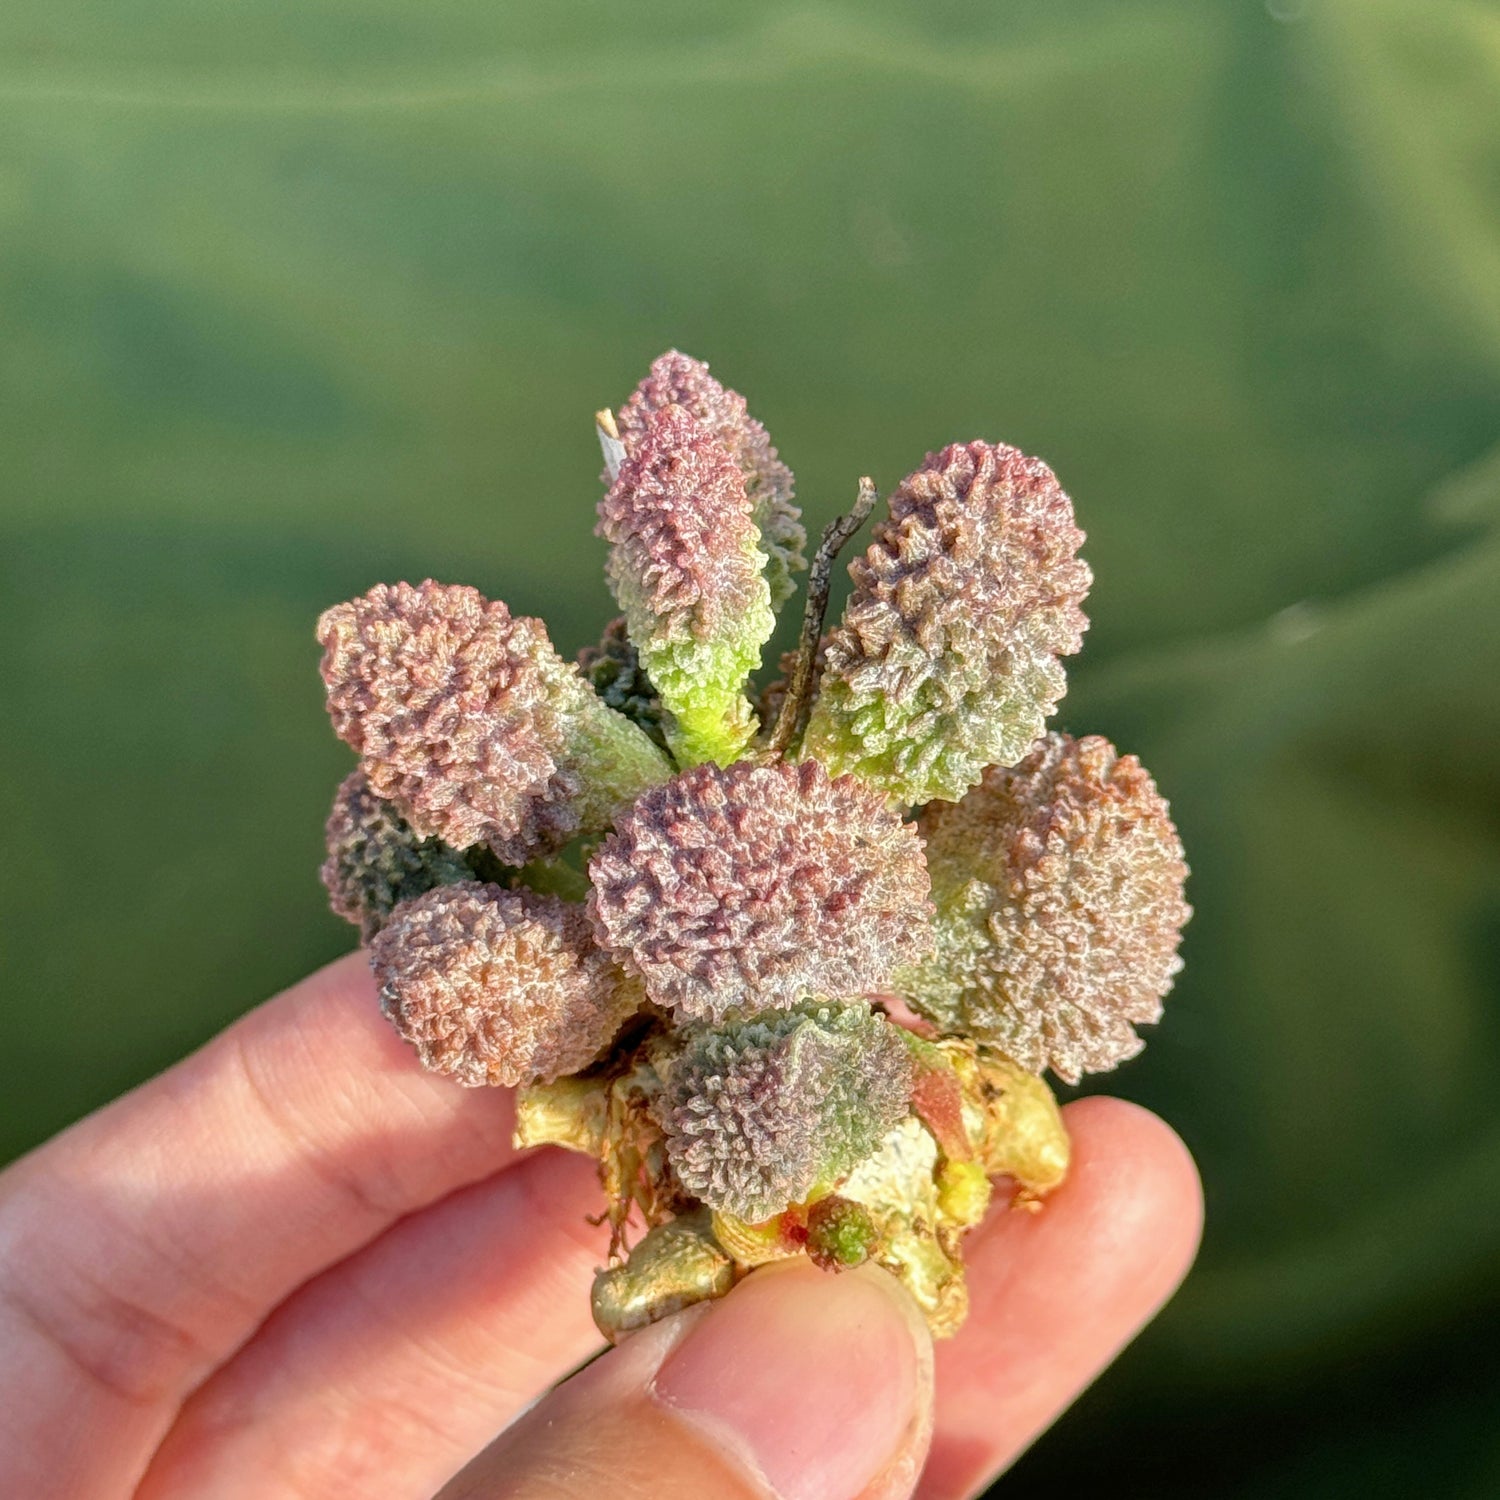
x=295 y=297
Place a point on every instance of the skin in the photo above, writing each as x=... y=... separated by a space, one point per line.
x=296 y=1265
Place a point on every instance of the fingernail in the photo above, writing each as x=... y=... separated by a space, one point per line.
x=815 y=1381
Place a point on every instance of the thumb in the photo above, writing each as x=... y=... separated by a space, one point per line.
x=800 y=1385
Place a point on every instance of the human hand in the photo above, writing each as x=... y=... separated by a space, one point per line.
x=297 y=1265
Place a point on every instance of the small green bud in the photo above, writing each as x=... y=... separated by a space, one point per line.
x=840 y=1234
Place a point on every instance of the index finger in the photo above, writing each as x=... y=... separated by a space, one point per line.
x=142 y=1246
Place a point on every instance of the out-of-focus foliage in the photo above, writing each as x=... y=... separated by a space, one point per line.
x=298 y=297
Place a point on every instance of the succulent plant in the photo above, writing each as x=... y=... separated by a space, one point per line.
x=789 y=960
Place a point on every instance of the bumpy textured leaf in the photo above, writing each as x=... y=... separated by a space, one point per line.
x=753 y=887
x=759 y=1112
x=686 y=567
x=493 y=986
x=677 y=379
x=946 y=659
x=1058 y=887
x=465 y=717
x=375 y=859
x=612 y=667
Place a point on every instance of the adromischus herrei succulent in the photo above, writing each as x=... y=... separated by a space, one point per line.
x=788 y=962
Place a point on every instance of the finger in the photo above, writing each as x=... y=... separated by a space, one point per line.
x=385 y=1374
x=1056 y=1295
x=799 y=1385
x=145 y=1244
x=380 y=1377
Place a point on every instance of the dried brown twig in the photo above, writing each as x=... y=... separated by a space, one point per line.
x=802 y=683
